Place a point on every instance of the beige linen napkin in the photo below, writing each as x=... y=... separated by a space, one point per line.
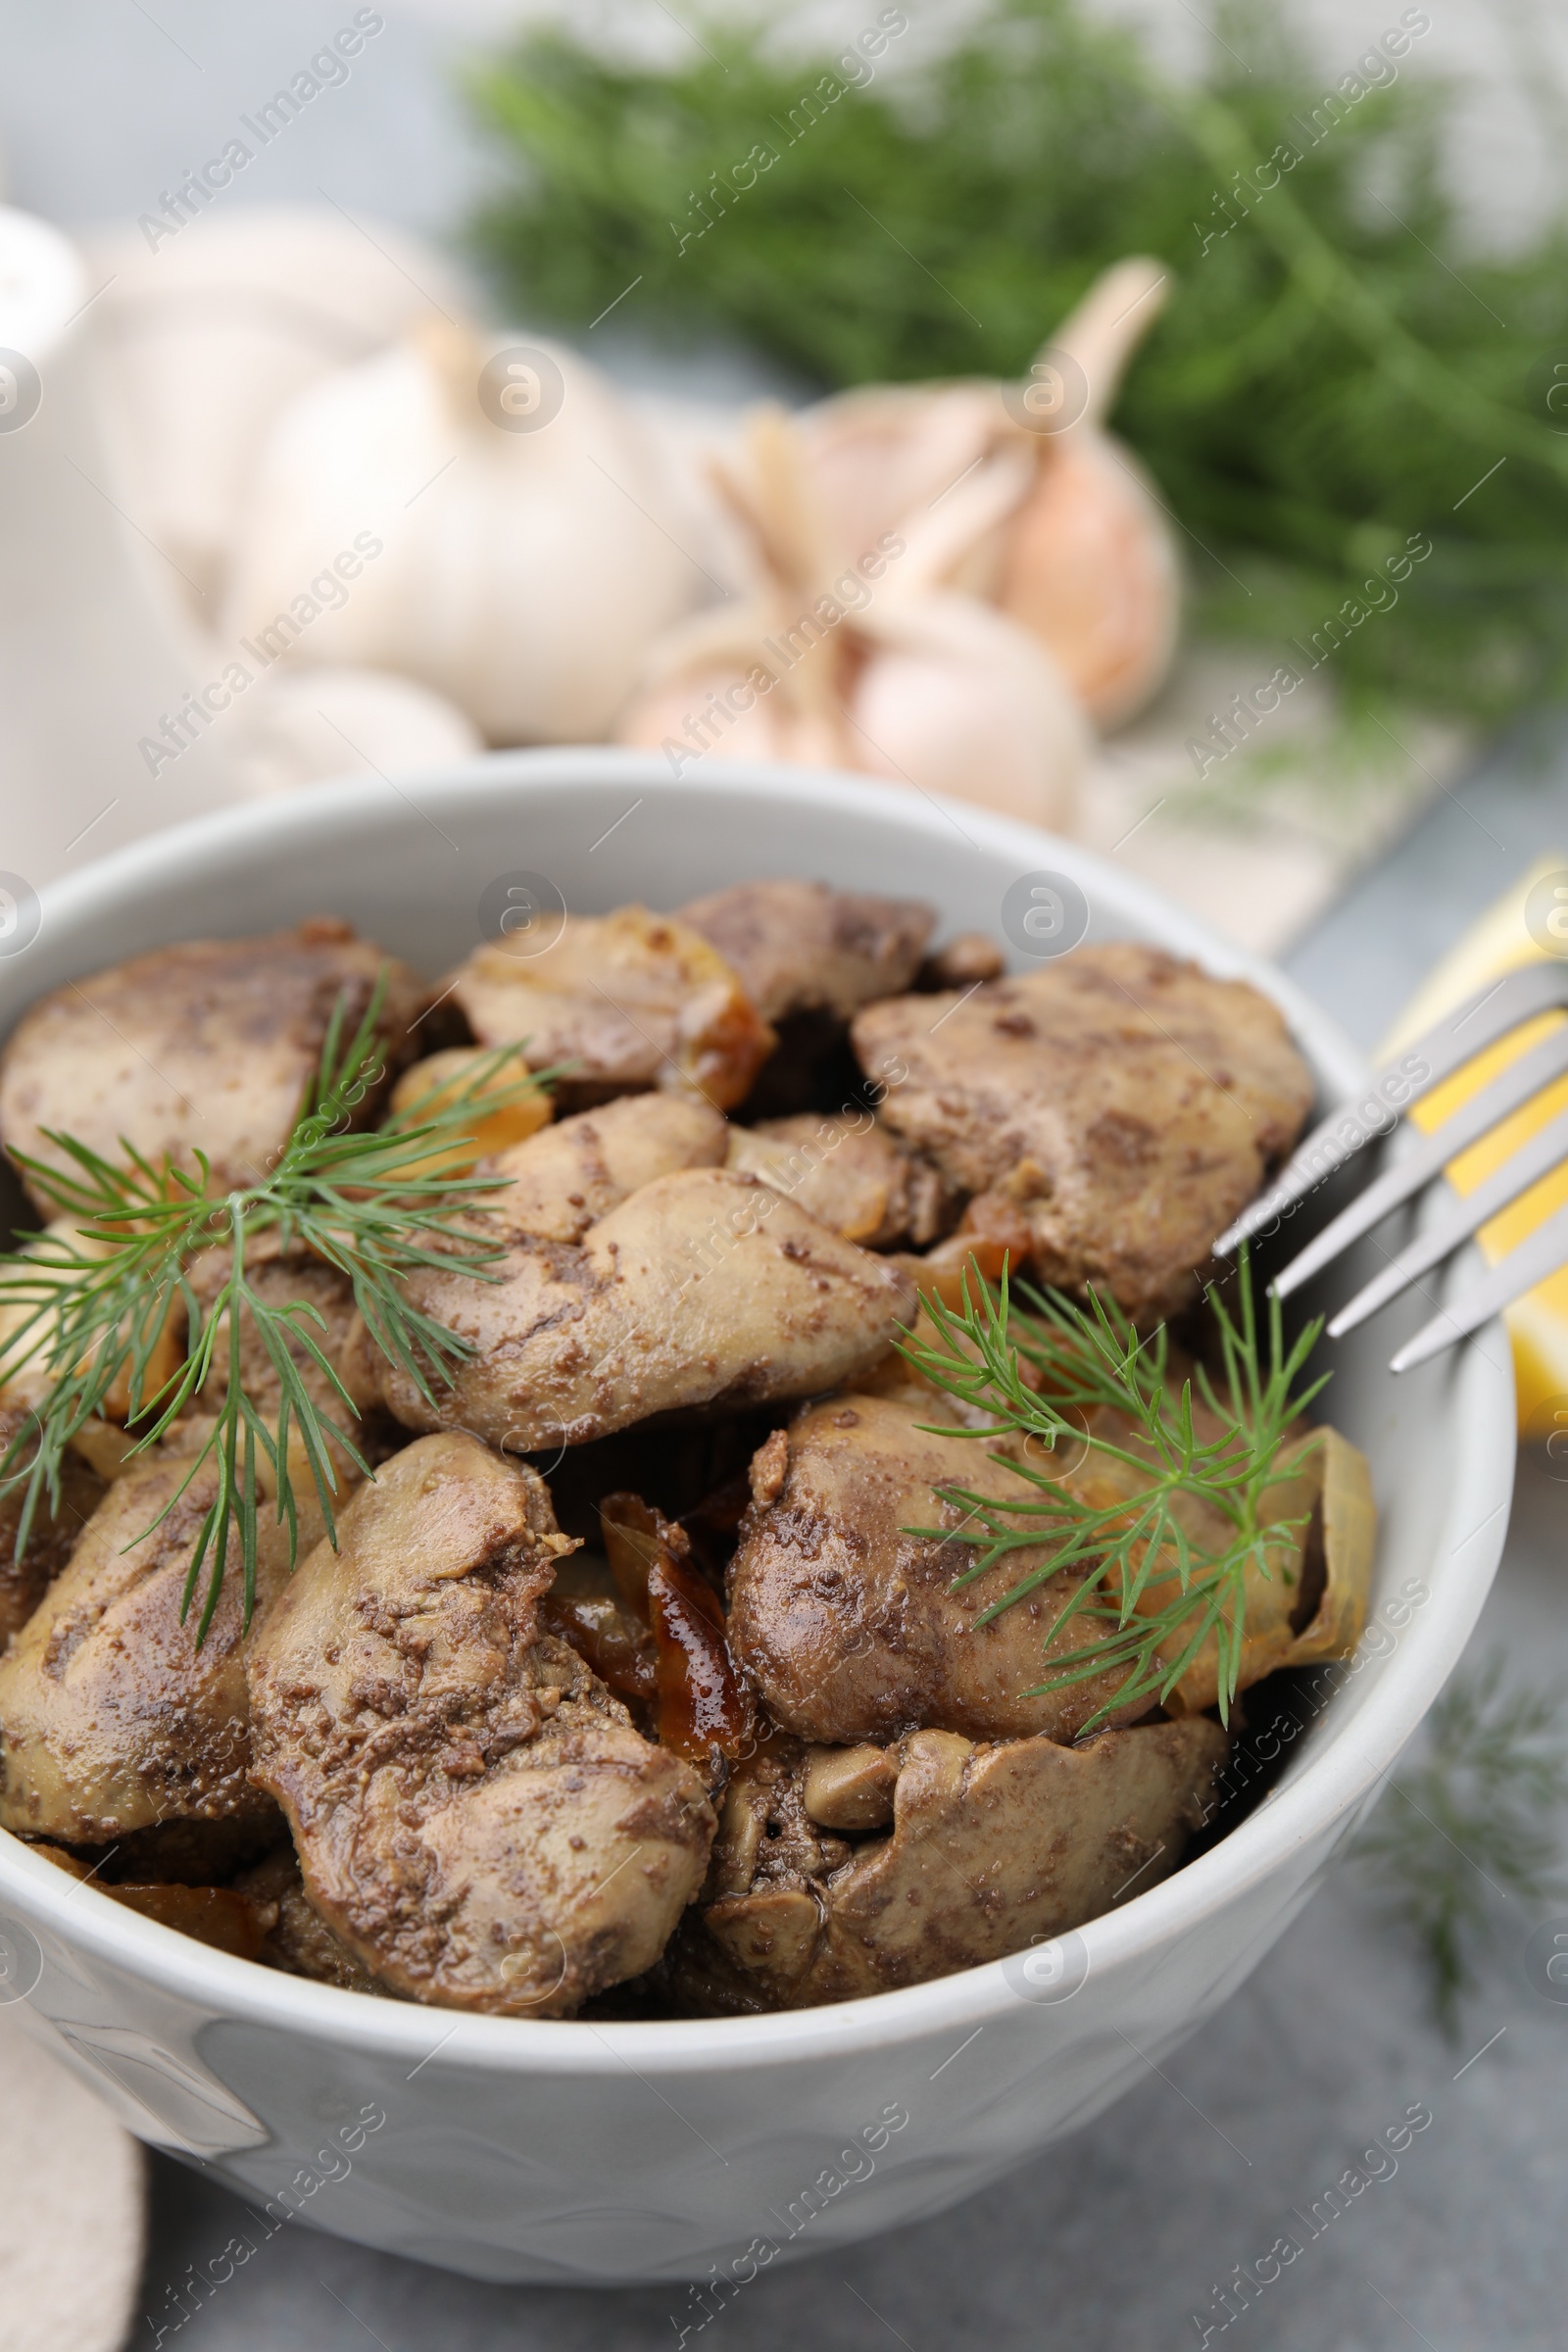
x=1258 y=852
x=72 y=2207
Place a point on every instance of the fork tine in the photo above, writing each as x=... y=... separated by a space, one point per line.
x=1484 y=1017
x=1542 y=1254
x=1459 y=1220
x=1515 y=1086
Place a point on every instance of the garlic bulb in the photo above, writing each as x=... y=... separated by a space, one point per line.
x=302 y=725
x=1086 y=561
x=523 y=561
x=867 y=664
x=1089 y=563
x=206 y=328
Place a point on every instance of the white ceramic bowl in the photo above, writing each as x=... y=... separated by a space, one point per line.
x=578 y=2153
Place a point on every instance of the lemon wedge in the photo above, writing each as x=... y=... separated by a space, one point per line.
x=1496 y=944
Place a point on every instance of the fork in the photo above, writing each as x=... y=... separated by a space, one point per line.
x=1480 y=1021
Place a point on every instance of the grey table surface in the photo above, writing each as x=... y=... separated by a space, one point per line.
x=1117 y=2236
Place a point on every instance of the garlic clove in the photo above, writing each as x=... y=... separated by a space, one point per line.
x=770 y=647
x=972 y=515
x=691 y=435
x=956 y=699
x=720 y=710
x=931 y=687
x=300 y=725
x=950 y=696
x=690 y=714
x=771 y=490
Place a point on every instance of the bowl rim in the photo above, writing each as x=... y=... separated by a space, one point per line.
x=1322 y=1792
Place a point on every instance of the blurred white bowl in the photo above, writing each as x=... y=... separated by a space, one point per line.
x=601 y=2153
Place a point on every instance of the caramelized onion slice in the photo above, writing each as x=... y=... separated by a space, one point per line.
x=701 y=1707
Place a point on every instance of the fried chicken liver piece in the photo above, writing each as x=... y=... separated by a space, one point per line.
x=563 y=1179
x=627 y=1001
x=477 y=1819
x=52 y=1535
x=991 y=1849
x=799 y=947
x=703 y=1288
x=113 y=1720
x=848 y=1174
x=206 y=1046
x=810 y=958
x=297 y=1940
x=845 y=1621
x=1109 y=1113
x=843 y=1618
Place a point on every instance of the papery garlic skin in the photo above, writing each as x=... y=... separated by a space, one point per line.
x=523 y=573
x=1090 y=561
x=689 y=436
x=886 y=456
x=953 y=699
x=1085 y=560
x=1089 y=565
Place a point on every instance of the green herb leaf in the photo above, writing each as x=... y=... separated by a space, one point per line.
x=89 y=1311
x=1147 y=1597
x=1478 y=1821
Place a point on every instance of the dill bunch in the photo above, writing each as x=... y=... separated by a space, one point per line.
x=1479 y=1822
x=88 y=1307
x=1336 y=370
x=1149 y=1598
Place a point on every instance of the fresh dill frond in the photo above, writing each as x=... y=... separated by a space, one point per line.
x=1148 y=1597
x=1339 y=364
x=87 y=1308
x=1479 y=1822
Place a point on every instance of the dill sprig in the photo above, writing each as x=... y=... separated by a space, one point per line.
x=1481 y=1818
x=1151 y=1594
x=89 y=1308
x=1339 y=363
